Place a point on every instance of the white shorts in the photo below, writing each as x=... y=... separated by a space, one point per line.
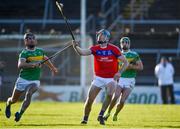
x=126 y=82
x=102 y=82
x=22 y=84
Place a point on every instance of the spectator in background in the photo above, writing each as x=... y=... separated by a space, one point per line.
x=164 y=71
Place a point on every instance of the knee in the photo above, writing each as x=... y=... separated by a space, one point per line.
x=109 y=96
x=28 y=96
x=31 y=92
x=115 y=98
x=122 y=101
x=13 y=100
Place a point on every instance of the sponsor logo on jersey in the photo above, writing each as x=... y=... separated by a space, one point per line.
x=104 y=52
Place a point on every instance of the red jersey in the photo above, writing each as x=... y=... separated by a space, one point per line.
x=105 y=60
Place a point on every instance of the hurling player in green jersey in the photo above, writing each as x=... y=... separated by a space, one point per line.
x=127 y=80
x=29 y=75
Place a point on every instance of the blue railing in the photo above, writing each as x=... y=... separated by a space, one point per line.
x=159 y=22
x=37 y=21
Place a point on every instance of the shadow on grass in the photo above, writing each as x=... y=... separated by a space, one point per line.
x=79 y=125
x=44 y=115
x=61 y=124
x=164 y=126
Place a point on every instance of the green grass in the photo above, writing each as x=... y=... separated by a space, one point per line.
x=68 y=115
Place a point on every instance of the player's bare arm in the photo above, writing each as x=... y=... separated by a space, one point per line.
x=51 y=66
x=80 y=51
x=23 y=64
x=136 y=66
x=124 y=66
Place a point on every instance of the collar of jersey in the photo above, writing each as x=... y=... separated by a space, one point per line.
x=103 y=47
x=126 y=51
x=30 y=50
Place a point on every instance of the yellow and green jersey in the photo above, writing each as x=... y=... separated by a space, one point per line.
x=31 y=56
x=132 y=58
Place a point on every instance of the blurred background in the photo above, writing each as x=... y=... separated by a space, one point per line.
x=152 y=25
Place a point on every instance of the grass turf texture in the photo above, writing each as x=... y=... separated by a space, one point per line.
x=69 y=115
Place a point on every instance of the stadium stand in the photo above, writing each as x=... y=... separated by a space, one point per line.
x=155 y=38
x=154 y=41
x=167 y=10
x=21 y=9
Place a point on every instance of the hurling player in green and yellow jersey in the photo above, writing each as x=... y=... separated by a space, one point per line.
x=127 y=80
x=29 y=75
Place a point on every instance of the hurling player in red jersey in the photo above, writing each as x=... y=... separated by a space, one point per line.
x=106 y=57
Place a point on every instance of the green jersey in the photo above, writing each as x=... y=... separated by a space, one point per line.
x=132 y=57
x=31 y=56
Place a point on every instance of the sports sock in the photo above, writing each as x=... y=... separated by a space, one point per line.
x=85 y=118
x=101 y=113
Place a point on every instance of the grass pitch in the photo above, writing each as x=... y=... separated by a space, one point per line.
x=68 y=116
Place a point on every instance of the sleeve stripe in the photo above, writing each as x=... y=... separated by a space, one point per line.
x=22 y=58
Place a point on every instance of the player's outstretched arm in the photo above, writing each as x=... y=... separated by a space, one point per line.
x=124 y=66
x=125 y=63
x=157 y=71
x=51 y=66
x=80 y=51
x=23 y=64
x=137 y=66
